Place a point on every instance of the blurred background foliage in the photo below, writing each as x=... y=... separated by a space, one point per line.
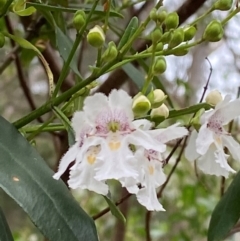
x=190 y=196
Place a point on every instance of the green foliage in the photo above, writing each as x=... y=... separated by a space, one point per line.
x=5 y=234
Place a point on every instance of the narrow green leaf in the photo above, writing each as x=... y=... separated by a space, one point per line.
x=226 y=213
x=135 y=74
x=28 y=180
x=130 y=30
x=73 y=8
x=64 y=44
x=5 y=232
x=114 y=209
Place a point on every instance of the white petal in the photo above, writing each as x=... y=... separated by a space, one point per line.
x=119 y=99
x=204 y=139
x=228 y=112
x=225 y=101
x=95 y=104
x=69 y=157
x=148 y=198
x=142 y=124
x=83 y=177
x=190 y=150
x=171 y=133
x=232 y=145
x=145 y=139
x=209 y=165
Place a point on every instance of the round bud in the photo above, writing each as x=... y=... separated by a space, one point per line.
x=78 y=22
x=180 y=52
x=213 y=32
x=110 y=53
x=172 y=21
x=156 y=35
x=159 y=113
x=153 y=14
x=223 y=5
x=189 y=33
x=159 y=66
x=96 y=37
x=166 y=37
x=161 y=16
x=214 y=97
x=141 y=105
x=2 y=40
x=177 y=38
x=159 y=46
x=156 y=98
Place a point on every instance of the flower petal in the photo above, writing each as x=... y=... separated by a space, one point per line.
x=204 y=139
x=69 y=157
x=142 y=124
x=232 y=145
x=190 y=150
x=119 y=99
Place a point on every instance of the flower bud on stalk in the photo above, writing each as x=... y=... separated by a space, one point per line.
x=141 y=105
x=110 y=53
x=213 y=32
x=2 y=40
x=161 y=16
x=223 y=5
x=156 y=35
x=79 y=19
x=172 y=21
x=177 y=38
x=159 y=66
x=96 y=37
x=214 y=97
x=189 y=33
x=156 y=98
x=159 y=113
x=153 y=14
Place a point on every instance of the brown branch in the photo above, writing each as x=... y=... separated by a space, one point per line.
x=118 y=77
x=147 y=225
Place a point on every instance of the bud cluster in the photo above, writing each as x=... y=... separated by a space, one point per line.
x=153 y=103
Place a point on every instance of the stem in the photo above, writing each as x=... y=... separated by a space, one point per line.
x=49 y=128
x=232 y=14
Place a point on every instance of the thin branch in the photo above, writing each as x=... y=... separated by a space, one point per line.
x=147 y=225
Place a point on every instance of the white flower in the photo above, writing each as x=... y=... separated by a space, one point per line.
x=208 y=145
x=105 y=134
x=150 y=167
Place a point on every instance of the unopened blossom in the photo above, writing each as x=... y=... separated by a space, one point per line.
x=207 y=146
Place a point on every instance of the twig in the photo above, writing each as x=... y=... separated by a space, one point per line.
x=147 y=225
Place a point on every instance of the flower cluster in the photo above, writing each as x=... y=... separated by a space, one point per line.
x=207 y=145
x=110 y=144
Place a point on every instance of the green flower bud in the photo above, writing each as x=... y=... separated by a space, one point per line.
x=213 y=98
x=78 y=21
x=223 y=5
x=141 y=105
x=177 y=38
x=156 y=35
x=2 y=40
x=160 y=113
x=159 y=66
x=166 y=37
x=161 y=16
x=2 y=3
x=96 y=37
x=180 y=52
x=110 y=53
x=213 y=32
x=171 y=21
x=159 y=46
x=156 y=98
x=153 y=14
x=189 y=33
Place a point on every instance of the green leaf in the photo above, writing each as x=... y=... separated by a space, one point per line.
x=5 y=233
x=28 y=180
x=130 y=30
x=135 y=74
x=64 y=44
x=226 y=213
x=114 y=209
